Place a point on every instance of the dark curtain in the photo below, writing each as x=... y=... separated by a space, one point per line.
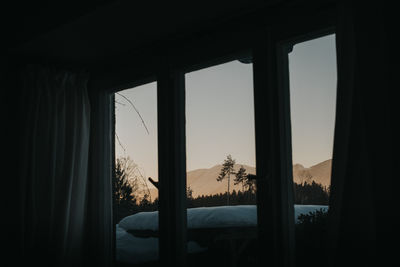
x=65 y=212
x=100 y=229
x=363 y=197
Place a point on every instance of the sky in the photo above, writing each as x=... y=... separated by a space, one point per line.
x=220 y=112
x=313 y=79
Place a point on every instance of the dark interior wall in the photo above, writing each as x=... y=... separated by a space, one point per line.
x=10 y=132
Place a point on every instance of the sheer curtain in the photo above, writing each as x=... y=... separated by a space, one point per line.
x=55 y=198
x=100 y=228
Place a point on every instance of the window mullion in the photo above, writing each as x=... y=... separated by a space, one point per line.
x=275 y=210
x=172 y=168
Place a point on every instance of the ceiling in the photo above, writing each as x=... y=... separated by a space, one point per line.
x=90 y=30
x=23 y=21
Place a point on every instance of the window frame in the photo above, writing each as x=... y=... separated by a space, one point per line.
x=267 y=43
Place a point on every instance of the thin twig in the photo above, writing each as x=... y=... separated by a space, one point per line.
x=119 y=141
x=120 y=103
x=137 y=111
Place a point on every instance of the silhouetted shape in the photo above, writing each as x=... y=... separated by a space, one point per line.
x=124 y=189
x=240 y=177
x=311 y=194
x=226 y=171
x=311 y=233
x=251 y=182
x=155 y=183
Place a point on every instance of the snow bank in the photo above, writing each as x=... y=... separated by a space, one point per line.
x=207 y=217
x=139 y=250
x=140 y=221
x=204 y=217
x=224 y=216
x=133 y=249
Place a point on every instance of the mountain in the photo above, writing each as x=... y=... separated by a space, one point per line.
x=320 y=173
x=204 y=181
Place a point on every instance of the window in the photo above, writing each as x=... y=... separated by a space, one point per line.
x=219 y=117
x=220 y=155
x=312 y=72
x=135 y=196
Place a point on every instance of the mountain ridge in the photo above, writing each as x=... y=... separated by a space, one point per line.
x=204 y=181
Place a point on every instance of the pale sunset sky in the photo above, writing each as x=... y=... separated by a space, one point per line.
x=220 y=112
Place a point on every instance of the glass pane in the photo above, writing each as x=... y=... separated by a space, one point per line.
x=312 y=68
x=220 y=145
x=135 y=197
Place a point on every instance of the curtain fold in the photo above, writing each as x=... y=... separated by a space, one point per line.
x=362 y=196
x=54 y=165
x=65 y=190
x=100 y=229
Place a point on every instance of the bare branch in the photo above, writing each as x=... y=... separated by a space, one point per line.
x=137 y=111
x=119 y=103
x=119 y=141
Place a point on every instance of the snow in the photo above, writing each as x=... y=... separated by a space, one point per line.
x=206 y=217
x=133 y=249
x=137 y=250
x=140 y=221
x=224 y=216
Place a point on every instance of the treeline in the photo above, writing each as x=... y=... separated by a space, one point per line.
x=305 y=194
x=235 y=198
x=311 y=194
x=128 y=200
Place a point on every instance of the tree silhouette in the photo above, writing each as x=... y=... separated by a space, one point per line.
x=189 y=192
x=311 y=193
x=125 y=187
x=251 y=183
x=226 y=171
x=241 y=177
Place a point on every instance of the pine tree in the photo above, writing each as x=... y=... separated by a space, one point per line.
x=240 y=177
x=226 y=171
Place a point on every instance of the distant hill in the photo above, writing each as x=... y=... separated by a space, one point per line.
x=320 y=173
x=204 y=181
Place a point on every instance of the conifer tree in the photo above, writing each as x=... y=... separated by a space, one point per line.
x=240 y=177
x=226 y=171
